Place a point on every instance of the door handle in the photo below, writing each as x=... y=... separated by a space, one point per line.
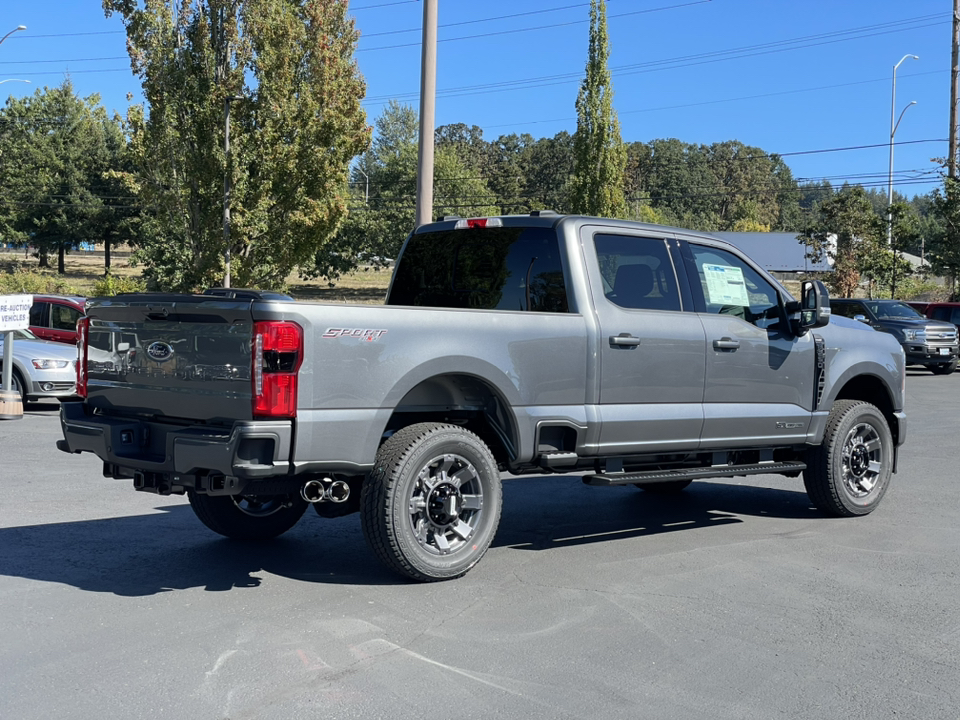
x=624 y=340
x=726 y=344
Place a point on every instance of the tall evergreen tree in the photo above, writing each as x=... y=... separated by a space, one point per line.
x=600 y=157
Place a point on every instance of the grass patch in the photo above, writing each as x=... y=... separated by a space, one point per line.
x=84 y=271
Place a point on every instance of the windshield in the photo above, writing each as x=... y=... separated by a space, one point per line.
x=894 y=311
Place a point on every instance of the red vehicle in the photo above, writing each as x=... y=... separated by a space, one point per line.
x=946 y=311
x=54 y=317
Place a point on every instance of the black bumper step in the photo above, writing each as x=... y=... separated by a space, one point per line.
x=650 y=477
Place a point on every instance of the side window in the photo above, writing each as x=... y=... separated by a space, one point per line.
x=39 y=314
x=637 y=273
x=732 y=287
x=63 y=317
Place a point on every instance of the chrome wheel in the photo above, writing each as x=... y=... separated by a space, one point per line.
x=445 y=502
x=430 y=507
x=849 y=472
x=862 y=458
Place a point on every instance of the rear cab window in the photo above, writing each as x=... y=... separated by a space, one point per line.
x=494 y=268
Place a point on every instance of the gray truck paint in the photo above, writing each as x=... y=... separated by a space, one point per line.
x=674 y=391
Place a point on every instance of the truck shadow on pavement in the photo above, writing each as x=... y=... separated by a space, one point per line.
x=169 y=550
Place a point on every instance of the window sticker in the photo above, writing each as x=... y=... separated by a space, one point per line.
x=725 y=285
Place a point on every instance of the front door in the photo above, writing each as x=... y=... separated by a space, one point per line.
x=758 y=389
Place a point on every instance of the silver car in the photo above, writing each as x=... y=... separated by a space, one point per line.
x=41 y=368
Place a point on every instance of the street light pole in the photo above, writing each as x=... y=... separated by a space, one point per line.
x=366 y=191
x=894 y=124
x=13 y=80
x=16 y=29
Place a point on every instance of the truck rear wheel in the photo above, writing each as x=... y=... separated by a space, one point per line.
x=850 y=471
x=431 y=506
x=248 y=517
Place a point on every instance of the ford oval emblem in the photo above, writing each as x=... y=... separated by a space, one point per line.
x=159 y=351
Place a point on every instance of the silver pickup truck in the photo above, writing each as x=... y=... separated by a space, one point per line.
x=629 y=354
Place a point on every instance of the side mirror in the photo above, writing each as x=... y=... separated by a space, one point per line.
x=861 y=318
x=123 y=347
x=813 y=309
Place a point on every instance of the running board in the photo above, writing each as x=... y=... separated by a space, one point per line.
x=650 y=477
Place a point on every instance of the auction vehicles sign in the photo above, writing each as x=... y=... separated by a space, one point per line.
x=15 y=312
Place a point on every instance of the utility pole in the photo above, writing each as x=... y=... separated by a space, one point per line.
x=428 y=97
x=954 y=76
x=227 y=186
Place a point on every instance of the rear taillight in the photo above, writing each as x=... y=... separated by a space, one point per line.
x=82 y=325
x=277 y=355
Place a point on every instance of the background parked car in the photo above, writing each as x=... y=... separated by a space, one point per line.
x=41 y=368
x=930 y=343
x=946 y=311
x=54 y=317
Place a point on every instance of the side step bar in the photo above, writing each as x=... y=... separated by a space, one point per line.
x=650 y=477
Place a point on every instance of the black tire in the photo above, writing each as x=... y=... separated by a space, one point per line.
x=431 y=506
x=19 y=385
x=944 y=368
x=849 y=473
x=248 y=517
x=666 y=488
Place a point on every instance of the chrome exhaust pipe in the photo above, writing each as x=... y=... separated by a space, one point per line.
x=338 y=492
x=326 y=490
x=313 y=491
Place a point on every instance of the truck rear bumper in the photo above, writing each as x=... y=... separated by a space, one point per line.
x=247 y=450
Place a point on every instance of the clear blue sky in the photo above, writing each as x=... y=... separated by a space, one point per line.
x=785 y=76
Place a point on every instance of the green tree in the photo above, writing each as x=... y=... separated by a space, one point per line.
x=294 y=132
x=599 y=155
x=849 y=231
x=943 y=250
x=380 y=220
x=59 y=150
x=549 y=166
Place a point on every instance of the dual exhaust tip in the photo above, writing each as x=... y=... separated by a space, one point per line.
x=325 y=490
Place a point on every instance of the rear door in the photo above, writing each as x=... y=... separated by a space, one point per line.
x=651 y=348
x=63 y=322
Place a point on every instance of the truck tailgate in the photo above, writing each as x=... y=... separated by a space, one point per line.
x=179 y=356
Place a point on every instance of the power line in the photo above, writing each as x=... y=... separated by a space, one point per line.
x=513 y=31
x=685 y=60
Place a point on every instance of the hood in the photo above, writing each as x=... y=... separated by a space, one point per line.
x=24 y=349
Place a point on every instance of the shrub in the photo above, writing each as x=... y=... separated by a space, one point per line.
x=115 y=285
x=34 y=282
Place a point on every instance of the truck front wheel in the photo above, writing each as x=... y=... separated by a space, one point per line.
x=431 y=506
x=248 y=517
x=944 y=368
x=849 y=472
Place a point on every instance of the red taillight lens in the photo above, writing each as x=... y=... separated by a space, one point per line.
x=277 y=355
x=83 y=325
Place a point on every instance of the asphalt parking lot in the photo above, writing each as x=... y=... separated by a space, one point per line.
x=736 y=600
